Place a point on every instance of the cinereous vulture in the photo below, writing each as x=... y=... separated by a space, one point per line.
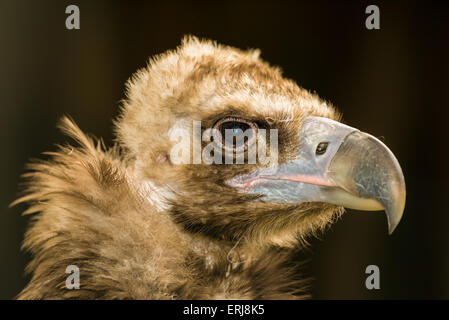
x=141 y=221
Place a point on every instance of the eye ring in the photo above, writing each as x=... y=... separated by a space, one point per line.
x=234 y=123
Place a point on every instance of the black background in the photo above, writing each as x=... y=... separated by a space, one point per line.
x=392 y=83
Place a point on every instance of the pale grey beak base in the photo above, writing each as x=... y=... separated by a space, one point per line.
x=355 y=171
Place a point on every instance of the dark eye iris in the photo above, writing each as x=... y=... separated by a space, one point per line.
x=235 y=133
x=321 y=148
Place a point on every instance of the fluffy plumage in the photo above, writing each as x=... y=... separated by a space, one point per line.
x=140 y=227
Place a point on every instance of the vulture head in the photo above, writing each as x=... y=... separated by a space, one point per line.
x=221 y=165
x=174 y=126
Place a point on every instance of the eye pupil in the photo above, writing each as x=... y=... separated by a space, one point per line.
x=235 y=133
x=236 y=129
x=321 y=148
x=233 y=130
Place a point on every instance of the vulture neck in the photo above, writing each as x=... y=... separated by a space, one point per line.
x=213 y=250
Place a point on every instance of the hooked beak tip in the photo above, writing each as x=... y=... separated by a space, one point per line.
x=395 y=209
x=368 y=169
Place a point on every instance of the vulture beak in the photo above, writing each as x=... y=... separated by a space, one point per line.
x=336 y=164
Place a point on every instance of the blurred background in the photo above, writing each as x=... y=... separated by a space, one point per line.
x=392 y=83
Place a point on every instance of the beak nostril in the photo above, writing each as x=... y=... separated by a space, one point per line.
x=321 y=148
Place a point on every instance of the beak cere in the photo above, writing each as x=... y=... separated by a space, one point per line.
x=336 y=164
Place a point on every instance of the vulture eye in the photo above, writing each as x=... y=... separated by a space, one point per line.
x=235 y=133
x=321 y=148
